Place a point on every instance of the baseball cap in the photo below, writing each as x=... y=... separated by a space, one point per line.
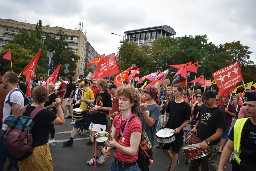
x=250 y=96
x=112 y=86
x=209 y=94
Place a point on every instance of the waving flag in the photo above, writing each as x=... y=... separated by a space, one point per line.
x=130 y=77
x=226 y=92
x=197 y=82
x=240 y=100
x=118 y=81
x=228 y=76
x=180 y=76
x=249 y=85
x=192 y=70
x=106 y=67
x=29 y=72
x=53 y=77
x=154 y=83
x=96 y=60
x=162 y=76
x=6 y=58
x=207 y=83
x=150 y=77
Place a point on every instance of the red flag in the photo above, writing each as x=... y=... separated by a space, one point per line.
x=118 y=81
x=226 y=92
x=180 y=76
x=29 y=72
x=207 y=83
x=106 y=67
x=240 y=100
x=132 y=75
x=53 y=77
x=228 y=76
x=6 y=58
x=175 y=68
x=96 y=60
x=197 y=82
x=192 y=70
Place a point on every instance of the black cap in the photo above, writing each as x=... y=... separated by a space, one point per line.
x=209 y=94
x=83 y=79
x=250 y=96
x=112 y=86
x=20 y=78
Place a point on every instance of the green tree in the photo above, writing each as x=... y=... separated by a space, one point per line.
x=39 y=30
x=238 y=52
x=133 y=54
x=20 y=57
x=61 y=53
x=28 y=40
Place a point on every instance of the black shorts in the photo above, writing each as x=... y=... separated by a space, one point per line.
x=175 y=145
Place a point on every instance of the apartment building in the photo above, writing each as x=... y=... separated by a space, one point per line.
x=77 y=41
x=148 y=35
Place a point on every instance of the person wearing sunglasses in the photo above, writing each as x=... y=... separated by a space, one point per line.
x=196 y=108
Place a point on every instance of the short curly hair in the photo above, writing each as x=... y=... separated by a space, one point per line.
x=103 y=83
x=132 y=94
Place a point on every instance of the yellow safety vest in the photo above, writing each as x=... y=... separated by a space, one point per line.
x=238 y=128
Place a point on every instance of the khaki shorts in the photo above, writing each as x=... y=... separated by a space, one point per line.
x=68 y=103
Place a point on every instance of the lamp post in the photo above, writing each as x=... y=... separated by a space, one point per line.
x=122 y=50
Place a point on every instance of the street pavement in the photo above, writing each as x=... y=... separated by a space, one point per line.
x=74 y=158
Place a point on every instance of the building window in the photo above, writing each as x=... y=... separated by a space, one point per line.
x=18 y=30
x=1 y=41
x=1 y=34
x=72 y=44
x=9 y=35
x=1 y=48
x=1 y=28
x=7 y=41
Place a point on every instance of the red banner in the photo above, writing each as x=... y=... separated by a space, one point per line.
x=29 y=72
x=118 y=81
x=96 y=60
x=228 y=77
x=207 y=83
x=53 y=77
x=133 y=74
x=240 y=100
x=106 y=67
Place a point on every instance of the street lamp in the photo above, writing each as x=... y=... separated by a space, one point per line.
x=122 y=49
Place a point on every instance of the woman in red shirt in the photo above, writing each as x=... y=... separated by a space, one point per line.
x=126 y=129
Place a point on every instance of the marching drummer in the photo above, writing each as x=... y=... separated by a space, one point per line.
x=126 y=129
x=209 y=129
x=179 y=115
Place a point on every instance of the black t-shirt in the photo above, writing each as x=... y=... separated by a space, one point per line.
x=104 y=100
x=69 y=87
x=178 y=113
x=40 y=130
x=23 y=88
x=51 y=99
x=209 y=120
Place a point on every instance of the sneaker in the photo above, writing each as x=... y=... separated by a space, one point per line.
x=73 y=122
x=51 y=141
x=67 y=143
x=92 y=161
x=102 y=159
x=89 y=143
x=68 y=117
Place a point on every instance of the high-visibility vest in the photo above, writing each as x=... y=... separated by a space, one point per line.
x=238 y=128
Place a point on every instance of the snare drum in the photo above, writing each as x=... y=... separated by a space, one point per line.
x=101 y=137
x=192 y=152
x=77 y=114
x=165 y=135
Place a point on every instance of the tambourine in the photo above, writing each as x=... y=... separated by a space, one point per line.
x=101 y=137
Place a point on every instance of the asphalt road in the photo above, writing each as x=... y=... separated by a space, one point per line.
x=74 y=158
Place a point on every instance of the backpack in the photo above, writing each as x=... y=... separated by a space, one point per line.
x=19 y=135
x=26 y=100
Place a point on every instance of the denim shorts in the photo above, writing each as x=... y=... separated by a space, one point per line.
x=225 y=132
x=115 y=167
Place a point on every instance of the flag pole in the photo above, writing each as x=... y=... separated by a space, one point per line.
x=244 y=85
x=11 y=66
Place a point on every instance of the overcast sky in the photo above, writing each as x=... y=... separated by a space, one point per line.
x=221 y=20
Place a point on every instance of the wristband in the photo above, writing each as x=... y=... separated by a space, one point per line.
x=85 y=100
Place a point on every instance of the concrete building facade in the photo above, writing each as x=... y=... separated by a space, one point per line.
x=148 y=35
x=77 y=40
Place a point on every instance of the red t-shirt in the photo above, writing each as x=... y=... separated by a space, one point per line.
x=133 y=126
x=95 y=90
x=62 y=87
x=231 y=109
x=115 y=104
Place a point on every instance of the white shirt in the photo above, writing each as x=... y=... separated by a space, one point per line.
x=16 y=97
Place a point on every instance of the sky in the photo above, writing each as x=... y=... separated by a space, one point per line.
x=221 y=20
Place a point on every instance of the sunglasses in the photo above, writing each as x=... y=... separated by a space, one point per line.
x=198 y=96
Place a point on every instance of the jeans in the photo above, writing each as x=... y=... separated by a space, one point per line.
x=4 y=153
x=115 y=167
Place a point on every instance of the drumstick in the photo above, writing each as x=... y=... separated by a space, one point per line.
x=188 y=137
x=193 y=146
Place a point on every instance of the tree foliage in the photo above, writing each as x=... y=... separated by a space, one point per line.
x=20 y=57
